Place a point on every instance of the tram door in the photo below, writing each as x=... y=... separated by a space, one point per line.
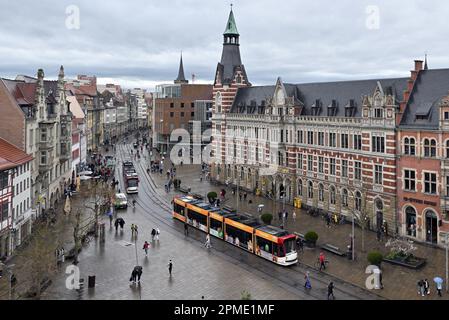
x=431 y=227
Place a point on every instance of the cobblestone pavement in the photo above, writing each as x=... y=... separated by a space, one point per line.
x=399 y=282
x=220 y=273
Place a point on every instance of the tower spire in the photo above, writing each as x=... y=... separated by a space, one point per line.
x=181 y=78
x=425 y=64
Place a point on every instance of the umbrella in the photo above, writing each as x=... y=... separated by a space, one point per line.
x=438 y=280
x=85 y=177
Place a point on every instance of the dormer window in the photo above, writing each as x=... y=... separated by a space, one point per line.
x=316 y=108
x=350 y=108
x=332 y=109
x=261 y=108
x=423 y=112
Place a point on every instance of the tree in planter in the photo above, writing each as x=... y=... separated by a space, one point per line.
x=81 y=227
x=400 y=248
x=375 y=258
x=266 y=218
x=311 y=237
x=211 y=196
x=98 y=200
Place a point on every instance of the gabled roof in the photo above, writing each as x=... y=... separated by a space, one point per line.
x=422 y=109
x=11 y=156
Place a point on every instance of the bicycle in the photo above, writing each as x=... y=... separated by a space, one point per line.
x=318 y=263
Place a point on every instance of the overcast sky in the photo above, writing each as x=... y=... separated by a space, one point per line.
x=138 y=42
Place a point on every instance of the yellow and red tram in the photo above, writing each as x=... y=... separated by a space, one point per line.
x=243 y=231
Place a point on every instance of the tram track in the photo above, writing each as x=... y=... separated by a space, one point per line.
x=286 y=277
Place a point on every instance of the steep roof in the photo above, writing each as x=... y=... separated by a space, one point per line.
x=231 y=26
x=422 y=109
x=340 y=92
x=181 y=78
x=11 y=156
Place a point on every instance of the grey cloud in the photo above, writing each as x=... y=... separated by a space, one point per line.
x=302 y=41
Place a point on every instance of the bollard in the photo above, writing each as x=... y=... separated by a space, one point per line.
x=91 y=281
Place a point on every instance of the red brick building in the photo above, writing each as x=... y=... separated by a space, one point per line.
x=423 y=157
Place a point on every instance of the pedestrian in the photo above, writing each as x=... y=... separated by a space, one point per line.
x=286 y=215
x=328 y=220
x=186 y=229
x=146 y=245
x=133 y=276
x=132 y=229
x=280 y=215
x=240 y=196
x=330 y=291
x=307 y=284
x=245 y=195
x=116 y=224
x=299 y=244
x=170 y=267
x=158 y=232
x=385 y=228
x=439 y=288
x=153 y=234
x=138 y=272
x=294 y=216
x=207 y=243
x=421 y=288
x=426 y=287
x=110 y=219
x=322 y=261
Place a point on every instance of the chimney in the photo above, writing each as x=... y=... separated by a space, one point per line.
x=410 y=84
x=418 y=65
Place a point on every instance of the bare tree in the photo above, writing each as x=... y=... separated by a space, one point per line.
x=98 y=199
x=362 y=217
x=37 y=262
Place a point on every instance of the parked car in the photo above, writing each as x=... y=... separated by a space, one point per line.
x=121 y=202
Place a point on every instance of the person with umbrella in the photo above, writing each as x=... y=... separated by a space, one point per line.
x=439 y=283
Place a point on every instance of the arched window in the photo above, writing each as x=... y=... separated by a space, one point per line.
x=410 y=221
x=218 y=102
x=332 y=195
x=299 y=187
x=344 y=198
x=430 y=148
x=358 y=201
x=310 y=189
x=409 y=146
x=320 y=192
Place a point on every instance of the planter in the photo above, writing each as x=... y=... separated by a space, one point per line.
x=311 y=244
x=409 y=262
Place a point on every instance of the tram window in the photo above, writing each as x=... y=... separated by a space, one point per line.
x=264 y=245
x=217 y=226
x=178 y=209
x=290 y=246
x=239 y=237
x=278 y=250
x=199 y=218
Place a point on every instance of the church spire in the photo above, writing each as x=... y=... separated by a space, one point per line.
x=231 y=27
x=181 y=78
x=425 y=64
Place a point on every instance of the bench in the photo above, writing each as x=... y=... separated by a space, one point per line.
x=183 y=190
x=333 y=249
x=300 y=236
x=197 y=196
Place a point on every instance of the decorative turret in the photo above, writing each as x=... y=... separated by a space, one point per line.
x=181 y=78
x=230 y=69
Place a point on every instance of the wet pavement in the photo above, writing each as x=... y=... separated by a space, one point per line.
x=222 y=272
x=399 y=282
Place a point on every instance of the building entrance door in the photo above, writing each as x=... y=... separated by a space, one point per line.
x=431 y=227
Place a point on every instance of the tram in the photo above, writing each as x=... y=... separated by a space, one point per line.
x=241 y=230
